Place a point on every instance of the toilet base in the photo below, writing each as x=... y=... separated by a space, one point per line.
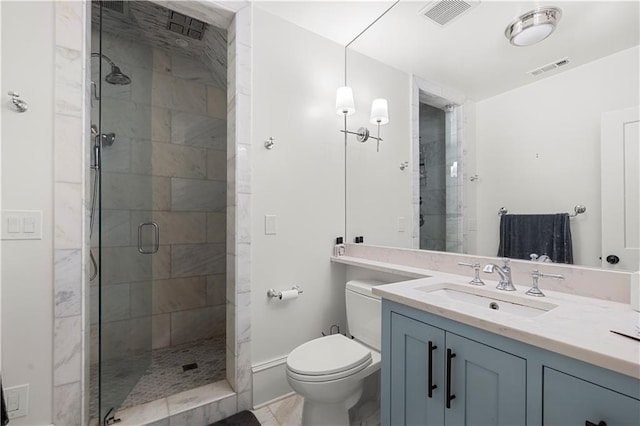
x=322 y=414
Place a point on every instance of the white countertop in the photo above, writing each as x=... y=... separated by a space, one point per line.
x=579 y=327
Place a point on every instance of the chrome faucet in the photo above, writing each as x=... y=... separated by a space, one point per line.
x=505 y=282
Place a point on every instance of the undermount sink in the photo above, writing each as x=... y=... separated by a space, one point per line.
x=476 y=296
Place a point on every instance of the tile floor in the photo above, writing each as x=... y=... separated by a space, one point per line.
x=286 y=412
x=164 y=376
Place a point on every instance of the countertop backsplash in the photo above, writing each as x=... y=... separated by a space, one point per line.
x=578 y=280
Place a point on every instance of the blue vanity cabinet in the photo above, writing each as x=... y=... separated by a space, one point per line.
x=494 y=380
x=470 y=383
x=417 y=371
x=568 y=400
x=488 y=385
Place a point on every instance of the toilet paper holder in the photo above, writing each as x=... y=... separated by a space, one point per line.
x=272 y=293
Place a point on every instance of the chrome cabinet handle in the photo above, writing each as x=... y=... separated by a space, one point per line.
x=156 y=245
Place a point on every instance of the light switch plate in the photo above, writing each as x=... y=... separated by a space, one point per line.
x=269 y=224
x=21 y=225
x=17 y=401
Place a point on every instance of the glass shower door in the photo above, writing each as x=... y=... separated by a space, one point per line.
x=129 y=244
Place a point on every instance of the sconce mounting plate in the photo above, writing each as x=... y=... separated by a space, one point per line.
x=363 y=134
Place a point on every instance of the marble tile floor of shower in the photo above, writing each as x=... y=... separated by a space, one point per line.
x=165 y=374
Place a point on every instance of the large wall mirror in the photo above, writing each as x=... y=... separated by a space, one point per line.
x=478 y=124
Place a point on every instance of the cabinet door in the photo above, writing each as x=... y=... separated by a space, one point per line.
x=488 y=385
x=570 y=401
x=411 y=342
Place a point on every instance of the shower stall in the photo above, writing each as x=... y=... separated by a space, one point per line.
x=441 y=178
x=158 y=204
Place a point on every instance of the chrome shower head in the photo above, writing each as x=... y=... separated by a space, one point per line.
x=116 y=76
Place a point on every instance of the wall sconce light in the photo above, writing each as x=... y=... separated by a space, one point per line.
x=346 y=106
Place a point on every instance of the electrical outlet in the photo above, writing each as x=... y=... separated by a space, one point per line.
x=17 y=401
x=270 y=224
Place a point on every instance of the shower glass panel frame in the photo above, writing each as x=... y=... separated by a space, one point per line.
x=127 y=237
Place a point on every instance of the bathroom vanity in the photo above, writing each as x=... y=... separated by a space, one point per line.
x=454 y=353
x=449 y=359
x=438 y=371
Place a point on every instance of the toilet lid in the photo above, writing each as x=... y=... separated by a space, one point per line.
x=328 y=355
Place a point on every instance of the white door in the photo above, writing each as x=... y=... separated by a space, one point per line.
x=620 y=145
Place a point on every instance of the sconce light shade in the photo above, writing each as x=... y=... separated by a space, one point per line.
x=344 y=101
x=379 y=112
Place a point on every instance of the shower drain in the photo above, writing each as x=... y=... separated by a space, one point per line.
x=188 y=367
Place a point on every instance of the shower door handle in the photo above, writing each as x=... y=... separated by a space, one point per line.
x=156 y=245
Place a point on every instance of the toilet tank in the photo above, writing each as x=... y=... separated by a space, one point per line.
x=364 y=312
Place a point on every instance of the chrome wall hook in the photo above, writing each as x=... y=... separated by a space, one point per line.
x=269 y=143
x=404 y=165
x=19 y=104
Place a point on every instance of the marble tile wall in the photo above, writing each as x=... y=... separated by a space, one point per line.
x=70 y=236
x=72 y=177
x=168 y=165
x=432 y=178
x=239 y=208
x=455 y=142
x=454 y=184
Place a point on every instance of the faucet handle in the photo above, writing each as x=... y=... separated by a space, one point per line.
x=535 y=275
x=505 y=262
x=476 y=267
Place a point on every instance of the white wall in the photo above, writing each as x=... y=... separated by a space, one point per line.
x=27 y=183
x=538 y=148
x=301 y=181
x=378 y=192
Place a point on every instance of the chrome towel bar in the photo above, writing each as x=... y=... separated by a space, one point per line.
x=578 y=209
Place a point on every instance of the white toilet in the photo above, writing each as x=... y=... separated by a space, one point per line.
x=329 y=371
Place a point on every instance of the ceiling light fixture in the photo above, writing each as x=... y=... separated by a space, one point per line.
x=180 y=42
x=533 y=26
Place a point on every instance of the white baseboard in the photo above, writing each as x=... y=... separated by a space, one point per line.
x=270 y=382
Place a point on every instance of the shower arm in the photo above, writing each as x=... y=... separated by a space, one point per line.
x=103 y=56
x=94 y=86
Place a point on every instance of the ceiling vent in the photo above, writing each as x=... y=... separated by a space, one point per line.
x=549 y=67
x=444 y=11
x=185 y=25
x=116 y=6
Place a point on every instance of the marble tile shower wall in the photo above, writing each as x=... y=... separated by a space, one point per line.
x=454 y=182
x=432 y=179
x=440 y=192
x=168 y=165
x=71 y=236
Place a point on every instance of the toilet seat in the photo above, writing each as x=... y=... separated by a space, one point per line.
x=327 y=358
